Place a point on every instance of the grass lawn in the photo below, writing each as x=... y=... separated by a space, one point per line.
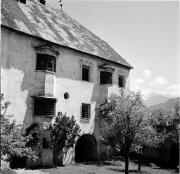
x=107 y=168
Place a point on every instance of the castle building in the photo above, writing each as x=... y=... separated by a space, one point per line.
x=50 y=63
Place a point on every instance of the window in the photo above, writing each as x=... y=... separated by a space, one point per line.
x=46 y=62
x=44 y=107
x=46 y=143
x=85 y=112
x=85 y=73
x=23 y=1
x=105 y=77
x=121 y=81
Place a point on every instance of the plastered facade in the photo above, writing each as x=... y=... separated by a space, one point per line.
x=20 y=81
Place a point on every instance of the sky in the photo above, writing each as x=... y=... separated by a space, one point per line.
x=145 y=33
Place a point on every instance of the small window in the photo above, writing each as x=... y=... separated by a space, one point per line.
x=105 y=77
x=121 y=81
x=44 y=107
x=46 y=143
x=85 y=73
x=46 y=62
x=85 y=112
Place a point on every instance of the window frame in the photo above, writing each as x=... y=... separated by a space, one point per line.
x=46 y=144
x=106 y=83
x=87 y=68
x=123 y=81
x=44 y=105
x=89 y=112
x=47 y=59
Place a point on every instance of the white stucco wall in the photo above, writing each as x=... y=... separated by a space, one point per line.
x=20 y=80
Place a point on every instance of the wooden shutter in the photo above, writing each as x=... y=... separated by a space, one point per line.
x=44 y=107
x=85 y=111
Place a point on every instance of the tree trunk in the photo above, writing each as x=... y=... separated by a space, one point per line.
x=139 y=161
x=126 y=164
x=160 y=155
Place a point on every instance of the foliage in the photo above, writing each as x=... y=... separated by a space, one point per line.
x=65 y=132
x=13 y=143
x=162 y=122
x=123 y=115
x=35 y=134
x=165 y=124
x=177 y=110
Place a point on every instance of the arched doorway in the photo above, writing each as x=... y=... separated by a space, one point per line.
x=86 y=148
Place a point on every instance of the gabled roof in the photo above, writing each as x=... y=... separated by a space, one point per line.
x=55 y=26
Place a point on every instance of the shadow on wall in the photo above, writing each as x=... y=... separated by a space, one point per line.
x=18 y=59
x=100 y=93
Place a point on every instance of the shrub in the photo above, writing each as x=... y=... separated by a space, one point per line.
x=65 y=132
x=13 y=143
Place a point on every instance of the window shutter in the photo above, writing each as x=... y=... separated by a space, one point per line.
x=44 y=107
x=85 y=111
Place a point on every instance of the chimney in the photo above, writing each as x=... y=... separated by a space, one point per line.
x=43 y=2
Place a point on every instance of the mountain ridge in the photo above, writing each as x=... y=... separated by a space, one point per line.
x=169 y=104
x=155 y=99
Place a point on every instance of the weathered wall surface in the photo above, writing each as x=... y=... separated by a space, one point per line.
x=20 y=80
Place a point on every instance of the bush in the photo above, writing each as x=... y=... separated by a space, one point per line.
x=13 y=143
x=65 y=132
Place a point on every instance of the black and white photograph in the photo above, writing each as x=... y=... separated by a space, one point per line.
x=90 y=86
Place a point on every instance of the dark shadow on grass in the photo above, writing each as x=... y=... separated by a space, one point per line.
x=103 y=163
x=100 y=163
x=143 y=162
x=107 y=163
x=41 y=167
x=156 y=164
x=175 y=171
x=130 y=171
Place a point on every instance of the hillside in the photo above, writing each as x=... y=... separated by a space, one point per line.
x=155 y=99
x=167 y=105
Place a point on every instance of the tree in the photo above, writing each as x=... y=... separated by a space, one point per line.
x=65 y=132
x=123 y=115
x=13 y=143
x=165 y=125
x=145 y=137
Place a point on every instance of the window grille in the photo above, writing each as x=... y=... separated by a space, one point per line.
x=85 y=111
x=44 y=107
